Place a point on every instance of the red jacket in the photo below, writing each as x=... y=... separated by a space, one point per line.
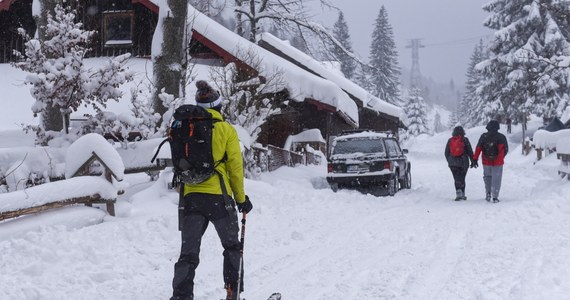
x=503 y=147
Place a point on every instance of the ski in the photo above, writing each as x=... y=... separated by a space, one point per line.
x=274 y=296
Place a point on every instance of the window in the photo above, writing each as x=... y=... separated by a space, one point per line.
x=393 y=149
x=359 y=145
x=118 y=28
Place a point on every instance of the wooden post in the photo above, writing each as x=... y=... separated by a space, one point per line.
x=111 y=208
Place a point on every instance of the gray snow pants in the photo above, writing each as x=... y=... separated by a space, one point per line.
x=492 y=176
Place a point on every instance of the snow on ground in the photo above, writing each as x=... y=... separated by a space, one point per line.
x=307 y=242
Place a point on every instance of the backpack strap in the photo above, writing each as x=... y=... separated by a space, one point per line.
x=158 y=150
x=227 y=199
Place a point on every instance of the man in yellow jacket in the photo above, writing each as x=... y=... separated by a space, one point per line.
x=207 y=202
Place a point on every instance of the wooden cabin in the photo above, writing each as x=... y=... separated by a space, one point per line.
x=373 y=113
x=210 y=44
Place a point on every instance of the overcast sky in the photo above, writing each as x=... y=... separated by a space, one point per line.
x=449 y=29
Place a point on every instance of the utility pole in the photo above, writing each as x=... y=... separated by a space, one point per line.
x=416 y=76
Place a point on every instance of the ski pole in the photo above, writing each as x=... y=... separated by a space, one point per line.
x=241 y=242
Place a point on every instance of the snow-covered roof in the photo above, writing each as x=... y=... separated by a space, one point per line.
x=311 y=135
x=300 y=83
x=362 y=135
x=84 y=148
x=324 y=71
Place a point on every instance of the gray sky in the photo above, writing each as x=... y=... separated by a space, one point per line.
x=448 y=28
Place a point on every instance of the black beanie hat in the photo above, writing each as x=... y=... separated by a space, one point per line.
x=206 y=96
x=493 y=125
x=458 y=131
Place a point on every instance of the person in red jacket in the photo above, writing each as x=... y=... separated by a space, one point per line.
x=494 y=147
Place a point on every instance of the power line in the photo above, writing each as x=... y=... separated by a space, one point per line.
x=459 y=42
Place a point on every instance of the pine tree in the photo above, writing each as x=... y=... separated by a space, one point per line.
x=385 y=71
x=415 y=110
x=525 y=70
x=340 y=31
x=470 y=111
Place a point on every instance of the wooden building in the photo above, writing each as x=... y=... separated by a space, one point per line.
x=302 y=109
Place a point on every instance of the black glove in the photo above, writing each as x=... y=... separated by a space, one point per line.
x=246 y=206
x=474 y=164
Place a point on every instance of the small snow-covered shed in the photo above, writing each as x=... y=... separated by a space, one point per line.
x=88 y=151
x=311 y=137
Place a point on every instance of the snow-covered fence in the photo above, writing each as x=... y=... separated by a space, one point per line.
x=563 y=148
x=86 y=190
x=547 y=141
x=279 y=157
x=137 y=155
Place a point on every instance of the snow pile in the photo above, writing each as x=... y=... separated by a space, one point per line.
x=82 y=150
x=543 y=139
x=18 y=164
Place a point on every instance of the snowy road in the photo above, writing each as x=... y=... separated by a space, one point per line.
x=309 y=243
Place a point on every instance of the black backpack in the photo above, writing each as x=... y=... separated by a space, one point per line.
x=190 y=138
x=490 y=147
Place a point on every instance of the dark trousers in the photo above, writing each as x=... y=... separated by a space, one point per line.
x=459 y=174
x=199 y=211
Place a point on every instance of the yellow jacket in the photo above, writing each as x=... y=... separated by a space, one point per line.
x=224 y=141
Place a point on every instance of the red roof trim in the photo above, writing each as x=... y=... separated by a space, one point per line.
x=148 y=4
x=225 y=55
x=5 y=4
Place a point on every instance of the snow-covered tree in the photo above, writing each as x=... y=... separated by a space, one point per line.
x=415 y=110
x=58 y=75
x=453 y=119
x=470 y=111
x=527 y=68
x=248 y=102
x=385 y=71
x=290 y=18
x=340 y=31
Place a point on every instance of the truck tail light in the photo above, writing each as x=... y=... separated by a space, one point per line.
x=387 y=165
x=330 y=168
